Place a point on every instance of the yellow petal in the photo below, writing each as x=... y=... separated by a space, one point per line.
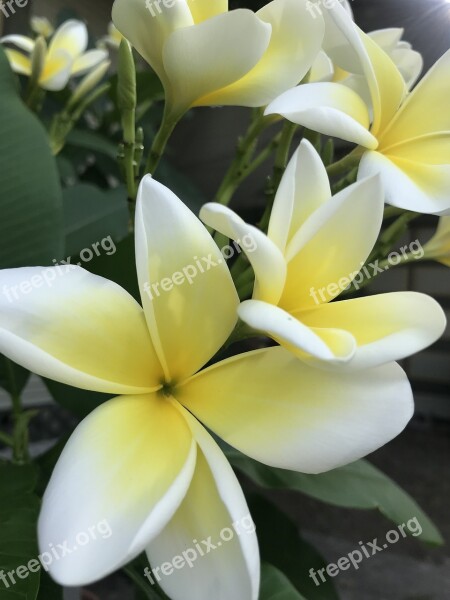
x=214 y=529
x=202 y=59
x=72 y=37
x=88 y=61
x=386 y=326
x=77 y=328
x=271 y=406
x=57 y=70
x=332 y=246
x=148 y=23
x=121 y=477
x=294 y=44
x=19 y=62
x=187 y=291
x=205 y=9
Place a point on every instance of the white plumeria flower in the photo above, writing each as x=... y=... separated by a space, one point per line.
x=142 y=461
x=407 y=135
x=113 y=38
x=206 y=55
x=66 y=56
x=316 y=245
x=42 y=26
x=438 y=247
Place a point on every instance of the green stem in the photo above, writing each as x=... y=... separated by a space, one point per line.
x=392 y=211
x=20 y=430
x=145 y=588
x=347 y=163
x=238 y=169
x=160 y=143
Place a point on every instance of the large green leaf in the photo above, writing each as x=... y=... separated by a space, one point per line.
x=281 y=545
x=19 y=508
x=30 y=193
x=276 y=586
x=358 y=485
x=91 y=215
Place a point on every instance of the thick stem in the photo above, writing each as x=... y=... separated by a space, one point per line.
x=347 y=163
x=20 y=421
x=160 y=142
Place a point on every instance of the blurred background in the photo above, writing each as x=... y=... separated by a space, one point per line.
x=418 y=460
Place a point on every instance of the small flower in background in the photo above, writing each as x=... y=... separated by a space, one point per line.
x=66 y=55
x=438 y=248
x=113 y=38
x=42 y=26
x=316 y=245
x=206 y=55
x=406 y=137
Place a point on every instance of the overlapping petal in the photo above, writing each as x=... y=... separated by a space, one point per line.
x=185 y=284
x=72 y=37
x=303 y=188
x=125 y=470
x=322 y=422
x=205 y=9
x=333 y=244
x=19 y=62
x=214 y=510
x=57 y=71
x=88 y=61
x=386 y=327
x=74 y=327
x=329 y=108
x=265 y=257
x=295 y=41
x=204 y=58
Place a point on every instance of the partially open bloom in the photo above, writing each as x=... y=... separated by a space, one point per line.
x=438 y=248
x=206 y=55
x=42 y=26
x=142 y=461
x=407 y=137
x=66 y=55
x=316 y=246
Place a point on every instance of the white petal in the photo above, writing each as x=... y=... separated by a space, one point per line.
x=303 y=188
x=410 y=185
x=213 y=510
x=295 y=42
x=125 y=470
x=204 y=58
x=187 y=291
x=276 y=409
x=329 y=108
x=88 y=61
x=265 y=257
x=21 y=41
x=77 y=328
x=57 y=70
x=386 y=327
x=296 y=337
x=72 y=37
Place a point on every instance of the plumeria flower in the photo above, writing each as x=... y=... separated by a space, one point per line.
x=66 y=56
x=316 y=245
x=407 y=139
x=438 y=247
x=42 y=26
x=142 y=461
x=206 y=55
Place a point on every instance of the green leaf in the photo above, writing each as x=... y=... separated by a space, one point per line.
x=78 y=402
x=30 y=193
x=91 y=215
x=49 y=590
x=358 y=485
x=19 y=508
x=13 y=378
x=276 y=586
x=92 y=141
x=281 y=545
